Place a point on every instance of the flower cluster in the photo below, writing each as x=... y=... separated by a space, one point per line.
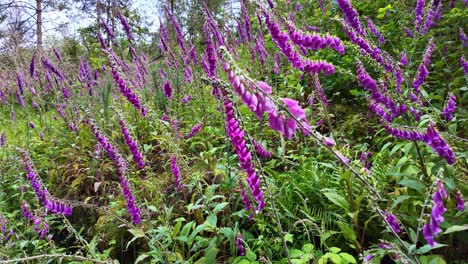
x=167 y=89
x=377 y=97
x=50 y=66
x=449 y=109
x=240 y=245
x=261 y=150
x=41 y=192
x=374 y=31
x=281 y=40
x=121 y=165
x=431 y=229
x=459 y=200
x=236 y=135
x=180 y=37
x=124 y=89
x=438 y=144
x=176 y=171
x=32 y=66
x=186 y=99
x=419 y=13
x=259 y=104
x=314 y=41
x=374 y=52
x=194 y=131
x=464 y=64
x=351 y=15
x=126 y=26
x=40 y=224
x=132 y=145
x=393 y=222
x=3 y=140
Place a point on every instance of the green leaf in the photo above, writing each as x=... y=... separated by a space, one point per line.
x=251 y=256
x=219 y=207
x=288 y=238
x=211 y=220
x=210 y=255
x=308 y=248
x=141 y=258
x=296 y=253
x=337 y=199
x=335 y=250
x=348 y=257
x=427 y=248
x=136 y=232
x=413 y=184
x=456 y=228
x=399 y=200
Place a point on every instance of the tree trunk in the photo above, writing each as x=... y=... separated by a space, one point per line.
x=39 y=24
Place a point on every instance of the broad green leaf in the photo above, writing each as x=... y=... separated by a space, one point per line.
x=413 y=184
x=427 y=248
x=456 y=228
x=219 y=207
x=399 y=200
x=136 y=232
x=348 y=257
x=288 y=238
x=338 y=200
x=141 y=258
x=335 y=250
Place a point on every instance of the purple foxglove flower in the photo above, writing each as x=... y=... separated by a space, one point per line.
x=3 y=140
x=240 y=245
x=109 y=32
x=403 y=59
x=48 y=65
x=433 y=139
x=236 y=135
x=329 y=142
x=409 y=33
x=420 y=77
x=463 y=37
x=464 y=64
x=246 y=18
x=261 y=150
x=176 y=171
x=167 y=89
x=369 y=257
x=351 y=15
x=126 y=26
x=429 y=20
x=57 y=54
x=32 y=66
x=132 y=145
x=393 y=222
x=281 y=40
x=419 y=13
x=194 y=131
x=177 y=28
x=449 y=108
x=127 y=92
x=374 y=31
x=31 y=125
x=41 y=192
x=26 y=213
x=121 y=165
x=186 y=99
x=459 y=200
x=431 y=229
